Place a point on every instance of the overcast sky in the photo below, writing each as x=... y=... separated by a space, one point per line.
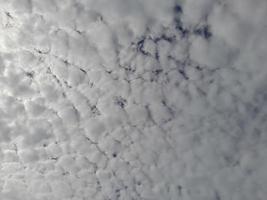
x=133 y=99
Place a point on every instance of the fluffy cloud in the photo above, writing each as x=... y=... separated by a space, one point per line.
x=131 y=99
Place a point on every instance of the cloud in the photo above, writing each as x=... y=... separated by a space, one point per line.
x=131 y=99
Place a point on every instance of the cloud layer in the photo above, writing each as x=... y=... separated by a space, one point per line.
x=131 y=99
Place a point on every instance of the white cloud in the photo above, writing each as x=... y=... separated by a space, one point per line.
x=125 y=99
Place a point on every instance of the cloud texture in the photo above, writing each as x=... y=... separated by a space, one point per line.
x=131 y=99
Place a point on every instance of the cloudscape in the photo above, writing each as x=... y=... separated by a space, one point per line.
x=133 y=99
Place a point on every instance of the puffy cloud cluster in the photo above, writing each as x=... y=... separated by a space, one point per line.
x=123 y=99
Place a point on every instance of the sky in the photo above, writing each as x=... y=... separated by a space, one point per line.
x=133 y=100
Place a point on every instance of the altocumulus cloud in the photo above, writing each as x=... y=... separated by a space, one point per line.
x=130 y=99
